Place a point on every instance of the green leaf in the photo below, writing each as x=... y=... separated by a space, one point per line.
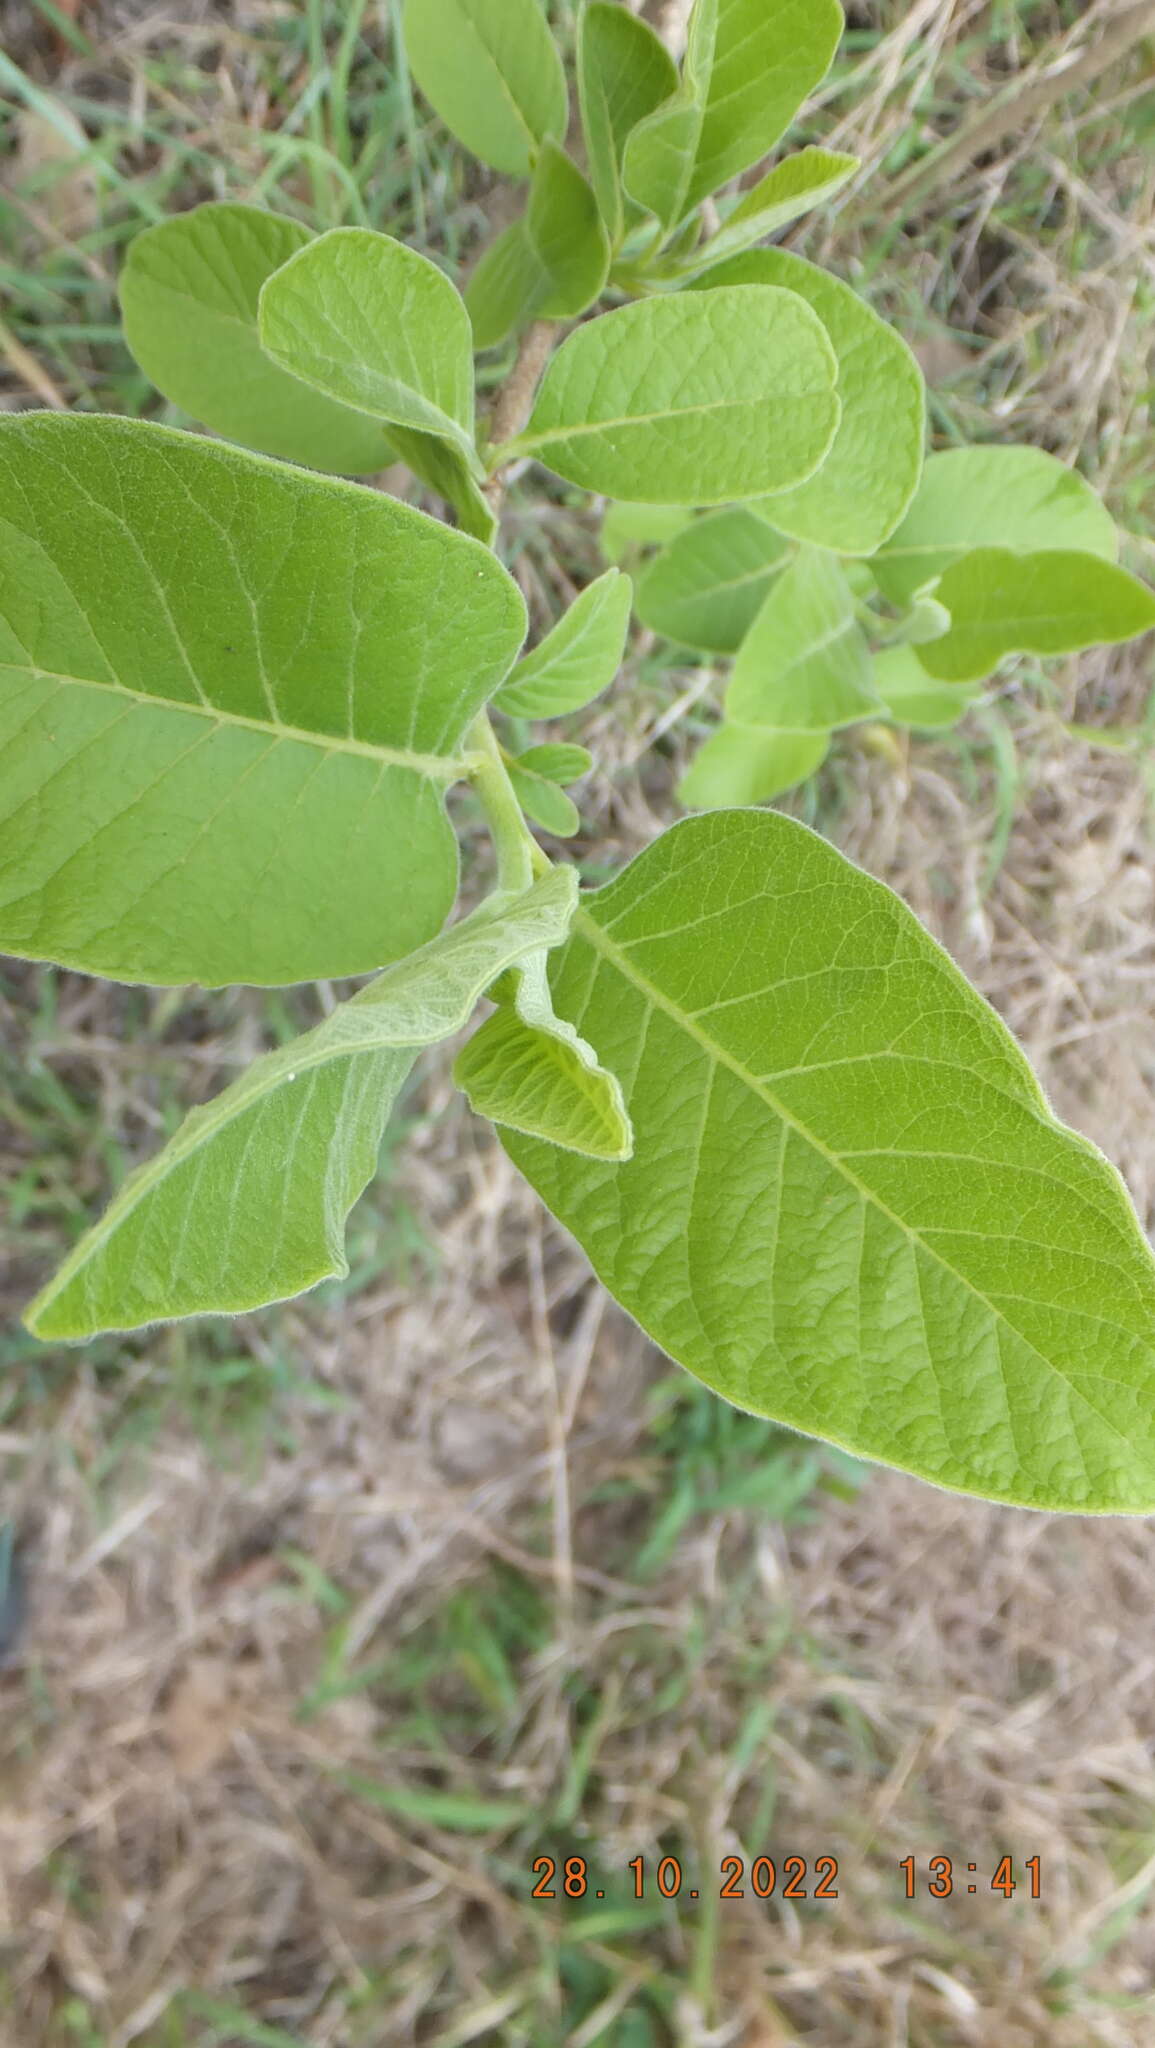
x=750 y=764
x=551 y=264
x=1053 y=602
x=449 y=472
x=659 y=155
x=911 y=697
x=557 y=762
x=530 y=1070
x=766 y=62
x=849 y=1207
x=188 y=295
x=247 y=1203
x=491 y=70
x=991 y=497
x=624 y=72
x=626 y=528
x=544 y=802
x=800 y=182
x=371 y=323
x=232 y=696
x=694 y=398
x=578 y=658
x=871 y=472
x=706 y=589
x=567 y=237
x=805 y=663
x=503 y=289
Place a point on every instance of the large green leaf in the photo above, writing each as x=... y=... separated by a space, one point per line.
x=527 y=1068
x=991 y=497
x=849 y=1206
x=624 y=72
x=707 y=588
x=659 y=155
x=750 y=764
x=807 y=179
x=1053 y=602
x=805 y=663
x=766 y=62
x=247 y=1203
x=691 y=399
x=872 y=469
x=232 y=695
x=492 y=71
x=578 y=658
x=188 y=294
x=365 y=320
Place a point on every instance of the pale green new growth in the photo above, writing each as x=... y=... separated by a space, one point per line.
x=750 y=764
x=1054 y=602
x=247 y=1204
x=969 y=498
x=805 y=663
x=694 y=399
x=766 y=59
x=707 y=588
x=800 y=182
x=528 y=1069
x=658 y=158
x=849 y=1207
x=914 y=698
x=189 y=293
x=578 y=659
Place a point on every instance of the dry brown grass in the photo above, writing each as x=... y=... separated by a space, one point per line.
x=937 y=1676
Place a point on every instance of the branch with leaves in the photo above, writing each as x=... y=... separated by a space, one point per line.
x=236 y=687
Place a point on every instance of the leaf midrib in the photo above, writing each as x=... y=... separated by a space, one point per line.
x=580 y=431
x=598 y=938
x=439 y=767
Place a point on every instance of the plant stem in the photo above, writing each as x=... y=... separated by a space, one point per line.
x=515 y=399
x=519 y=857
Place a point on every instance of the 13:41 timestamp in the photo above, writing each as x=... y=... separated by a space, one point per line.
x=941 y=1878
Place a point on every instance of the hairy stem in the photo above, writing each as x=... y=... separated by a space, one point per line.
x=515 y=399
x=519 y=857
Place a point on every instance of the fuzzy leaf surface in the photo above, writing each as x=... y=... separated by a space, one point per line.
x=707 y=588
x=968 y=498
x=557 y=761
x=697 y=398
x=805 y=662
x=849 y=1206
x=365 y=320
x=189 y=292
x=624 y=72
x=872 y=469
x=578 y=658
x=247 y=1203
x=491 y=70
x=766 y=62
x=1053 y=602
x=529 y=1069
x=232 y=695
x=544 y=802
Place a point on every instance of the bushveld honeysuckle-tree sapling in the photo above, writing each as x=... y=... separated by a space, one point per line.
x=237 y=685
